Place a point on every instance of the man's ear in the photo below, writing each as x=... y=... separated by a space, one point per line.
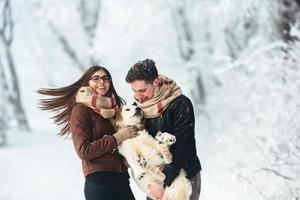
x=156 y=81
x=119 y=118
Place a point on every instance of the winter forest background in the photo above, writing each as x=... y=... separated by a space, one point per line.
x=238 y=60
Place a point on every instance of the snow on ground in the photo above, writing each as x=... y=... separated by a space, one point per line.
x=41 y=165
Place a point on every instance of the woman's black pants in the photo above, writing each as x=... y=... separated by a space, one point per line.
x=107 y=191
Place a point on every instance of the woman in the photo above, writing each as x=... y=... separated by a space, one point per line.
x=93 y=131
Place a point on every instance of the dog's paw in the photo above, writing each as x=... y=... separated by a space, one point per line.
x=141 y=176
x=142 y=162
x=165 y=138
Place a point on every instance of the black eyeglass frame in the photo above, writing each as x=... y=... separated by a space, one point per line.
x=98 y=78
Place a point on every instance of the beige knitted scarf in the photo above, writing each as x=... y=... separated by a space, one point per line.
x=164 y=94
x=105 y=106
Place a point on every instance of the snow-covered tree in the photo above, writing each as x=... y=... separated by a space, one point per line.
x=256 y=115
x=77 y=38
x=8 y=64
x=187 y=47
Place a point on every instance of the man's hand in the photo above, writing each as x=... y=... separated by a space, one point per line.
x=156 y=191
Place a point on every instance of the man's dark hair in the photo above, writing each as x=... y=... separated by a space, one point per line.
x=142 y=70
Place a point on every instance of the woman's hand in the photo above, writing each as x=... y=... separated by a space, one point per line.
x=125 y=133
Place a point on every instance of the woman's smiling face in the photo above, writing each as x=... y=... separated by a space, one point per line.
x=100 y=82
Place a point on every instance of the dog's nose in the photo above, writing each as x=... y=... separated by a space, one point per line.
x=138 y=109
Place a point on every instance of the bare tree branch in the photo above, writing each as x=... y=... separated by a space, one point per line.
x=276 y=173
x=67 y=47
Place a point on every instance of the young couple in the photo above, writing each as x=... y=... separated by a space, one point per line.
x=95 y=137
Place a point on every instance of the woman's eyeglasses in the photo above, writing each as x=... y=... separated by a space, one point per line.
x=97 y=78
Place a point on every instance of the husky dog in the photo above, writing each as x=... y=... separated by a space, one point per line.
x=147 y=156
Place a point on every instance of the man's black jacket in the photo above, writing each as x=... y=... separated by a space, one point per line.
x=178 y=119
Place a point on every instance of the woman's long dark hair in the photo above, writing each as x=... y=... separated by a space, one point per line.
x=63 y=99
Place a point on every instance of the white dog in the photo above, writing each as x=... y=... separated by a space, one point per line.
x=146 y=156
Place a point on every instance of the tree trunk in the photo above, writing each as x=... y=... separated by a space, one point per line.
x=89 y=15
x=187 y=50
x=6 y=35
x=15 y=97
x=4 y=118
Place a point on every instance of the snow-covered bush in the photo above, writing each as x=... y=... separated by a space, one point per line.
x=256 y=120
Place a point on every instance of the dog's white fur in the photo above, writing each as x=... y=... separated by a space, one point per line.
x=147 y=155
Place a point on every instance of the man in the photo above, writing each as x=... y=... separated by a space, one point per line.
x=166 y=109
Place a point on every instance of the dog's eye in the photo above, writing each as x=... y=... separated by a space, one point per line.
x=127 y=109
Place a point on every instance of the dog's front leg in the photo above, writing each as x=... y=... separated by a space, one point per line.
x=167 y=156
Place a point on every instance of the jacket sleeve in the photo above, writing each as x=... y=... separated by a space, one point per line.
x=81 y=130
x=184 y=124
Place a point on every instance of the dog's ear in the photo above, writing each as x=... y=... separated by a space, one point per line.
x=119 y=118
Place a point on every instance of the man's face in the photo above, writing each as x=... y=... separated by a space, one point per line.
x=143 y=91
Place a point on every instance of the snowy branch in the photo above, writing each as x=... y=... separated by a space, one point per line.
x=252 y=56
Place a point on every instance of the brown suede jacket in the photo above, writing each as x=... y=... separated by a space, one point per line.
x=93 y=141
